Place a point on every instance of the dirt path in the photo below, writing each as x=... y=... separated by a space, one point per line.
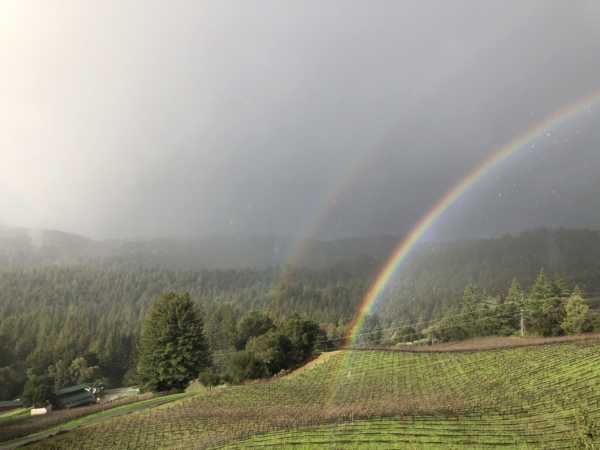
x=488 y=343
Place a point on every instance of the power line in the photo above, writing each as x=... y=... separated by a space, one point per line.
x=379 y=330
x=409 y=325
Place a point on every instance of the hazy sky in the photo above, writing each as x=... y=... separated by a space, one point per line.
x=152 y=118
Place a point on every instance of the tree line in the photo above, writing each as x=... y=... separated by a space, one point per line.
x=69 y=324
x=548 y=308
x=173 y=350
x=82 y=323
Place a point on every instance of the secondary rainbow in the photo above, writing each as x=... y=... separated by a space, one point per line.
x=500 y=154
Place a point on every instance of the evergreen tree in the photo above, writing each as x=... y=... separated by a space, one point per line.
x=173 y=349
x=542 y=287
x=576 y=314
x=451 y=327
x=38 y=389
x=515 y=294
x=244 y=365
x=220 y=328
x=545 y=310
x=578 y=291
x=560 y=287
x=405 y=334
x=507 y=318
x=303 y=335
x=10 y=382
x=254 y=324
x=472 y=297
x=273 y=349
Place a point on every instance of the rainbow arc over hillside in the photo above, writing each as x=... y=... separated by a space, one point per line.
x=502 y=153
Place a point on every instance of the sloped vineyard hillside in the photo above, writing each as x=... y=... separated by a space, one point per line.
x=531 y=397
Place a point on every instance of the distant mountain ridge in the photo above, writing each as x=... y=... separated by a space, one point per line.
x=448 y=266
x=21 y=247
x=24 y=247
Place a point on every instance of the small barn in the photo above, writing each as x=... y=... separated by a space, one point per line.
x=71 y=396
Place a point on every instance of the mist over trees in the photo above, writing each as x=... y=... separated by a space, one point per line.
x=64 y=324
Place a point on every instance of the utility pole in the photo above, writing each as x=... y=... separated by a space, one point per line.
x=522 y=323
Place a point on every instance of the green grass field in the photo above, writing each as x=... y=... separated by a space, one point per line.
x=534 y=397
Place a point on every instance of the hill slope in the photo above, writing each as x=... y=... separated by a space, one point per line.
x=491 y=262
x=534 y=397
x=436 y=274
x=21 y=247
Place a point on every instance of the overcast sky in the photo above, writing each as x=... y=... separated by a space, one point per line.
x=123 y=118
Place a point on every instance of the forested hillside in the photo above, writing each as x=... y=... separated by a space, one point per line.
x=74 y=320
x=51 y=317
x=20 y=247
x=437 y=274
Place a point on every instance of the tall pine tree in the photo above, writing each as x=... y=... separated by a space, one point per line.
x=173 y=348
x=515 y=294
x=545 y=310
x=576 y=313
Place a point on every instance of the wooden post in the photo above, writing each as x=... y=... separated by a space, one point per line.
x=522 y=323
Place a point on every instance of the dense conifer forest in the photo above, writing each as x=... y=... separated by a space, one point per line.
x=82 y=321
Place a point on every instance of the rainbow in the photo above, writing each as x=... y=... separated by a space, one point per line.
x=500 y=154
x=301 y=245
